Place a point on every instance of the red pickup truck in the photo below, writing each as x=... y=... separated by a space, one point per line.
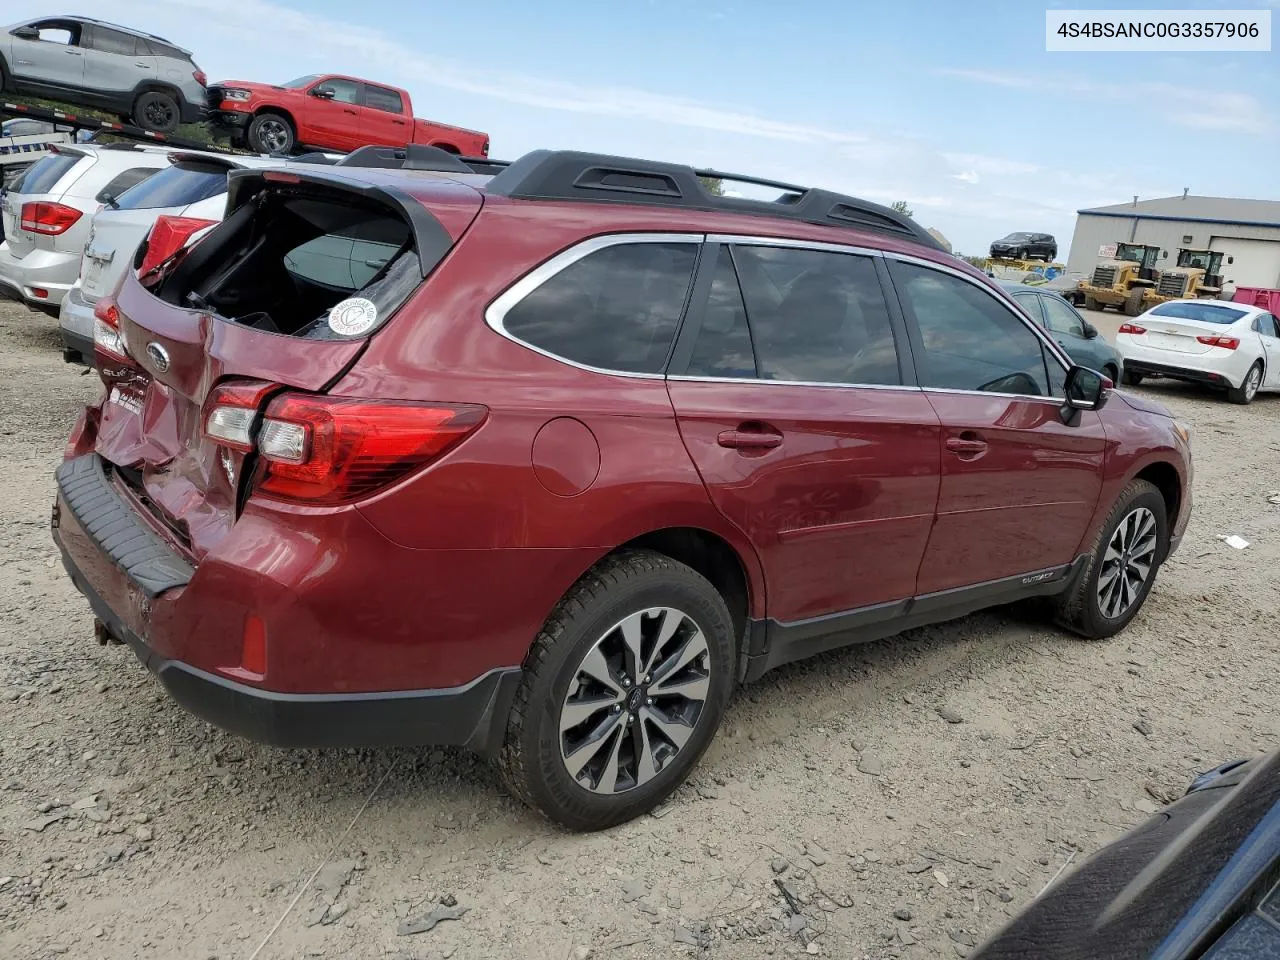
x=329 y=112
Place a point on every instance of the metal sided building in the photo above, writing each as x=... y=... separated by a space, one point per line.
x=1246 y=231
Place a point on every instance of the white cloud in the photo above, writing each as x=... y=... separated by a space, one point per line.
x=1195 y=107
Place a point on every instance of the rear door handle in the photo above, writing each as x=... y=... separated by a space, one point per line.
x=967 y=446
x=749 y=439
x=350 y=111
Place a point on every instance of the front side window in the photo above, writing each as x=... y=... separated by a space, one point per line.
x=1060 y=318
x=344 y=91
x=970 y=340
x=615 y=309
x=380 y=98
x=816 y=317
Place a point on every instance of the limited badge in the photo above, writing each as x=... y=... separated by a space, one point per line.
x=353 y=317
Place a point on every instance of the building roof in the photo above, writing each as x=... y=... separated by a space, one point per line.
x=1253 y=213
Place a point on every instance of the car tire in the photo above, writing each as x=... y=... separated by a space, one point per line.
x=1104 y=598
x=157 y=111
x=271 y=133
x=1248 y=388
x=1133 y=303
x=1091 y=304
x=1022 y=253
x=1110 y=371
x=1132 y=378
x=582 y=648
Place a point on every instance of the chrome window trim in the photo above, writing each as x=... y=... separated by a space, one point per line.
x=1042 y=335
x=748 y=240
x=495 y=314
x=758 y=381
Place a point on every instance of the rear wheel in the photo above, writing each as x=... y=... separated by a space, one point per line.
x=1248 y=388
x=1133 y=303
x=1091 y=304
x=157 y=112
x=271 y=133
x=1111 y=372
x=1122 y=565
x=1132 y=378
x=623 y=690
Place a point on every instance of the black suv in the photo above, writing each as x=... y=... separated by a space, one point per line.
x=1026 y=246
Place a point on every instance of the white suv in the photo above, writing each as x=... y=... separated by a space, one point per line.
x=47 y=213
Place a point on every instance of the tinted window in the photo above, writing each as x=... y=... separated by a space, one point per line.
x=1191 y=310
x=1267 y=325
x=176 y=186
x=344 y=91
x=971 y=342
x=616 y=309
x=43 y=175
x=817 y=317
x=1060 y=318
x=723 y=347
x=112 y=41
x=380 y=98
x=26 y=128
x=122 y=182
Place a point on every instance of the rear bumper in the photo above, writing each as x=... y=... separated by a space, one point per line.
x=126 y=571
x=75 y=319
x=1218 y=366
x=48 y=270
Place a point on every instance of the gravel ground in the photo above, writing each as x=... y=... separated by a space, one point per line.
x=904 y=797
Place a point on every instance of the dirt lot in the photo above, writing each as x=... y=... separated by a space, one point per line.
x=129 y=829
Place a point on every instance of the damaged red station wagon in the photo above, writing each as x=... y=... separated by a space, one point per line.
x=582 y=449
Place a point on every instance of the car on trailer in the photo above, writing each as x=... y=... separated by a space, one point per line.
x=706 y=435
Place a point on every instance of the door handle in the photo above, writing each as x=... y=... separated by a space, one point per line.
x=376 y=263
x=967 y=446
x=401 y=122
x=349 y=110
x=75 y=53
x=749 y=439
x=143 y=65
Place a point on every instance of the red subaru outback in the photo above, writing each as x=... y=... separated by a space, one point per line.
x=545 y=463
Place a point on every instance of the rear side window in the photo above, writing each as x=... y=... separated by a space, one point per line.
x=970 y=340
x=181 y=184
x=123 y=181
x=112 y=41
x=817 y=317
x=380 y=98
x=44 y=174
x=615 y=309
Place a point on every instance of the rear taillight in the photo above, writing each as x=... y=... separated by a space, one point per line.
x=231 y=412
x=327 y=450
x=200 y=78
x=107 y=340
x=1229 y=342
x=167 y=236
x=1132 y=328
x=48 y=219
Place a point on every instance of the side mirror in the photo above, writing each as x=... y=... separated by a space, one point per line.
x=1090 y=331
x=324 y=93
x=1085 y=390
x=27 y=33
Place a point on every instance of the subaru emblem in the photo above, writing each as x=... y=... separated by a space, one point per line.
x=159 y=356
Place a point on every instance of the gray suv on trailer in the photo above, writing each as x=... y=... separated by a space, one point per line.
x=141 y=78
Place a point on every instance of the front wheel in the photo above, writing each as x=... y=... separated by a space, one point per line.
x=1248 y=388
x=1132 y=378
x=1122 y=566
x=622 y=692
x=1091 y=304
x=271 y=133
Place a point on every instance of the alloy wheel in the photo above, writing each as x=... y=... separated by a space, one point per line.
x=634 y=700
x=1252 y=381
x=1127 y=563
x=159 y=114
x=273 y=134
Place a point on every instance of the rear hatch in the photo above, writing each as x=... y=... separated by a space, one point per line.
x=232 y=325
x=44 y=182
x=117 y=231
x=1190 y=328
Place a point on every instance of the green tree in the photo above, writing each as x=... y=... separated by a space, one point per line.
x=900 y=206
x=713 y=185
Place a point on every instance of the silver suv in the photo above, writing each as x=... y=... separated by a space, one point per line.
x=48 y=211
x=141 y=78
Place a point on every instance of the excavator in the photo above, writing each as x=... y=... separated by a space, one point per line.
x=1128 y=280
x=1198 y=274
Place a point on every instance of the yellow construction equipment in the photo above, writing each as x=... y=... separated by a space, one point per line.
x=1127 y=281
x=1198 y=274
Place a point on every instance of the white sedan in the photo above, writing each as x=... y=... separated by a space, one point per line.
x=1217 y=342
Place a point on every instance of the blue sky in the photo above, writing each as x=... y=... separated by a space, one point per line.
x=955 y=107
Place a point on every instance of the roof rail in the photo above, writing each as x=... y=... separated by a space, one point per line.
x=484 y=165
x=593 y=177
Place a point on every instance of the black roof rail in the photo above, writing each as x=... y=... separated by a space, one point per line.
x=415 y=156
x=593 y=177
x=484 y=165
